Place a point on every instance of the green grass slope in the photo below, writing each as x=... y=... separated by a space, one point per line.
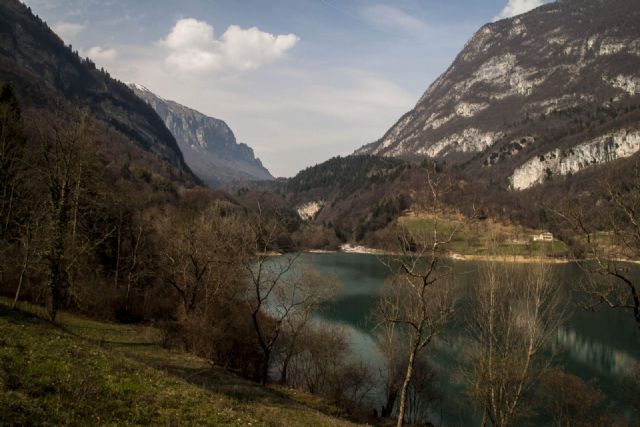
x=83 y=372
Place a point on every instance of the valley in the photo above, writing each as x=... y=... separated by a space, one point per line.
x=477 y=263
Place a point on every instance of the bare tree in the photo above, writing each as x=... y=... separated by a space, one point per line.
x=267 y=278
x=132 y=247
x=604 y=251
x=511 y=317
x=421 y=303
x=572 y=401
x=350 y=381
x=136 y=238
x=64 y=145
x=418 y=295
x=324 y=347
x=423 y=394
x=393 y=349
x=194 y=252
x=325 y=366
x=278 y=290
x=28 y=246
x=294 y=327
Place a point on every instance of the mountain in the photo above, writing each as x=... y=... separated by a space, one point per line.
x=541 y=95
x=208 y=144
x=47 y=74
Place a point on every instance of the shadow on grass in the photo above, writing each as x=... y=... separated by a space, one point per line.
x=70 y=324
x=17 y=316
x=179 y=365
x=214 y=379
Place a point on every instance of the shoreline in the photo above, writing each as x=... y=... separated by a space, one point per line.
x=519 y=259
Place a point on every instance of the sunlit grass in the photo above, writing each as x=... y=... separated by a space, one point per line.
x=483 y=237
x=84 y=372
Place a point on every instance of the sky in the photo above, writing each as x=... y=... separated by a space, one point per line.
x=299 y=81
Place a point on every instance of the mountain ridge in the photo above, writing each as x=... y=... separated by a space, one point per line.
x=538 y=85
x=207 y=143
x=44 y=71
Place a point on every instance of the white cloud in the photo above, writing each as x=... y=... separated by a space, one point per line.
x=292 y=116
x=67 y=30
x=193 y=48
x=388 y=16
x=190 y=34
x=517 y=7
x=102 y=55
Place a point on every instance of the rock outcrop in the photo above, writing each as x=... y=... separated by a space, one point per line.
x=308 y=211
x=563 y=76
x=603 y=149
x=208 y=144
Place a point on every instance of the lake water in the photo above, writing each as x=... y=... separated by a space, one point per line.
x=596 y=346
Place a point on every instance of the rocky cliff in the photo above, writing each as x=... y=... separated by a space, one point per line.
x=208 y=144
x=547 y=93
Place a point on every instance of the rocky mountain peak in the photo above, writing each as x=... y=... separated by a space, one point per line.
x=562 y=76
x=208 y=144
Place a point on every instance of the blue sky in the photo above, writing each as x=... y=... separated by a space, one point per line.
x=298 y=80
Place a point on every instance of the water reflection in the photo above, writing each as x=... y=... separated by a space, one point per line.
x=592 y=354
x=599 y=346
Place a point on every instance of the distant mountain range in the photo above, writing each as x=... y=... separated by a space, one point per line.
x=549 y=97
x=49 y=75
x=544 y=94
x=207 y=144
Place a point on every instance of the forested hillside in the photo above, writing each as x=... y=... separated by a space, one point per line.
x=48 y=75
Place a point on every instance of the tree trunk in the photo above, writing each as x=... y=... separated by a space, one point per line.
x=266 y=351
x=76 y=203
x=56 y=253
x=405 y=386
x=25 y=264
x=283 y=373
x=55 y=285
x=133 y=266
x=118 y=243
x=265 y=367
x=8 y=213
x=392 y=395
x=15 y=299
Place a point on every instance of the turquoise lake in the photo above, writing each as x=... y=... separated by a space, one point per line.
x=597 y=346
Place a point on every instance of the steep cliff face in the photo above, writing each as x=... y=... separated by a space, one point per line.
x=561 y=76
x=208 y=144
x=603 y=149
x=44 y=71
